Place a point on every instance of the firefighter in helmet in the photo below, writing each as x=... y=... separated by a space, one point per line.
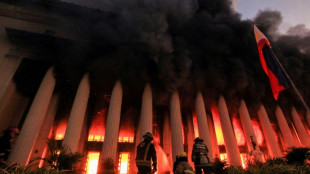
x=146 y=152
x=182 y=165
x=200 y=156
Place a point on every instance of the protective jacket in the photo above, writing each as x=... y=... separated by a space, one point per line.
x=183 y=167
x=200 y=155
x=146 y=152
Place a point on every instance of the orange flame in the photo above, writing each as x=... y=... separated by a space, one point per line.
x=61 y=129
x=238 y=131
x=123 y=164
x=217 y=125
x=92 y=162
x=195 y=125
x=258 y=132
x=126 y=134
x=156 y=134
x=97 y=129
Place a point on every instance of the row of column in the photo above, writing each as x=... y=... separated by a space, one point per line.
x=41 y=102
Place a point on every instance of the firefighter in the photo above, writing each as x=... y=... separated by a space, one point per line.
x=200 y=156
x=146 y=152
x=182 y=165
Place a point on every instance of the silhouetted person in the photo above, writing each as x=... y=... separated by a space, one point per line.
x=200 y=156
x=145 y=152
x=181 y=165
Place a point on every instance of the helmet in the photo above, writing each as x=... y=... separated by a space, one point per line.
x=182 y=154
x=198 y=139
x=148 y=134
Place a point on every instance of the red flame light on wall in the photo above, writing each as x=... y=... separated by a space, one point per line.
x=258 y=132
x=217 y=125
x=195 y=125
x=61 y=129
x=238 y=131
x=97 y=129
x=156 y=135
x=126 y=135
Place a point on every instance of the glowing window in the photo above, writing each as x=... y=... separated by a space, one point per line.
x=61 y=129
x=92 y=162
x=125 y=139
x=223 y=156
x=97 y=129
x=123 y=163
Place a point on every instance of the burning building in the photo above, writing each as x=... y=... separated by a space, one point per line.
x=97 y=80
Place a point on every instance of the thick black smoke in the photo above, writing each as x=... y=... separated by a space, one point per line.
x=187 y=45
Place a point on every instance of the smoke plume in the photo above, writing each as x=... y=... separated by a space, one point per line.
x=184 y=45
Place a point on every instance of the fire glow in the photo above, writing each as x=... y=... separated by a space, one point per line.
x=258 y=132
x=195 y=125
x=217 y=125
x=238 y=132
x=156 y=135
x=61 y=129
x=97 y=129
x=123 y=164
x=126 y=136
x=92 y=162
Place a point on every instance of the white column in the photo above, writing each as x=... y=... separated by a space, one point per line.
x=31 y=127
x=272 y=144
x=202 y=122
x=285 y=129
x=146 y=118
x=167 y=140
x=247 y=126
x=308 y=117
x=231 y=146
x=45 y=129
x=215 y=146
x=190 y=136
x=8 y=68
x=176 y=125
x=300 y=128
x=109 y=147
x=77 y=115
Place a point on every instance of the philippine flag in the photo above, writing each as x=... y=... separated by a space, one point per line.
x=277 y=79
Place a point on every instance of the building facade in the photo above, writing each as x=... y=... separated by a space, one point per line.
x=51 y=89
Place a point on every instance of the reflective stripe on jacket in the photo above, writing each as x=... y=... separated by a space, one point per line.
x=146 y=152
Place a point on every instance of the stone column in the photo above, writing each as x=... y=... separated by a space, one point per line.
x=176 y=125
x=8 y=68
x=31 y=127
x=109 y=147
x=146 y=118
x=190 y=136
x=202 y=122
x=300 y=128
x=308 y=117
x=45 y=129
x=272 y=144
x=77 y=115
x=215 y=146
x=247 y=126
x=231 y=146
x=285 y=129
x=167 y=140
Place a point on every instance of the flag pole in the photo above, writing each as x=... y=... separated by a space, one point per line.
x=293 y=85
